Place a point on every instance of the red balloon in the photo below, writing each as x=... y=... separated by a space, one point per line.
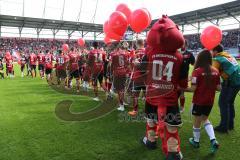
x=105 y=27
x=81 y=42
x=107 y=40
x=114 y=36
x=65 y=47
x=139 y=20
x=118 y=23
x=149 y=14
x=125 y=10
x=109 y=33
x=211 y=37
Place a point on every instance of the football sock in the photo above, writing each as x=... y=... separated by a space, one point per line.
x=196 y=134
x=182 y=101
x=209 y=129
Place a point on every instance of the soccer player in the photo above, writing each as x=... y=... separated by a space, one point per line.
x=188 y=59
x=1 y=69
x=33 y=64
x=74 y=69
x=119 y=67
x=41 y=63
x=48 y=65
x=61 y=64
x=205 y=81
x=22 y=63
x=9 y=65
x=137 y=79
x=96 y=59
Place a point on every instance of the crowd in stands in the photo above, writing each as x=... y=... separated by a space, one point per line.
x=231 y=39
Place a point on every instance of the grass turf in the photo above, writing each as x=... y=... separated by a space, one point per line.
x=30 y=130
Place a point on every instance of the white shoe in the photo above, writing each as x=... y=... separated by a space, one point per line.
x=78 y=91
x=125 y=103
x=96 y=99
x=121 y=108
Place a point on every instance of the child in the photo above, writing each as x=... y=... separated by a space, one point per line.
x=205 y=82
x=1 y=70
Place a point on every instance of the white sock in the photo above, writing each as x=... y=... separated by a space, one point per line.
x=209 y=129
x=196 y=134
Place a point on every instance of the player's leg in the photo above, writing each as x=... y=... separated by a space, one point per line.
x=150 y=139
x=206 y=110
x=171 y=139
x=135 y=94
x=77 y=77
x=95 y=87
x=197 y=121
x=22 y=70
x=119 y=86
x=182 y=100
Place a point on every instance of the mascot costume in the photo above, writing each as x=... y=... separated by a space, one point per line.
x=162 y=68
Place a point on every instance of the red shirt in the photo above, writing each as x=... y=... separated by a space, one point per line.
x=41 y=58
x=73 y=60
x=33 y=59
x=9 y=62
x=48 y=61
x=137 y=60
x=61 y=62
x=163 y=78
x=96 y=59
x=119 y=63
x=204 y=94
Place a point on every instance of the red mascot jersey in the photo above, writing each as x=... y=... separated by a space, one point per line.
x=163 y=77
x=41 y=58
x=48 y=61
x=73 y=61
x=119 y=63
x=137 y=60
x=33 y=59
x=96 y=59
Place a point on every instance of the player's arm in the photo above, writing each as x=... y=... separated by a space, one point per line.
x=194 y=82
x=217 y=65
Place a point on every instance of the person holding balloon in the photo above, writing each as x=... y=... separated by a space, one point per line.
x=229 y=69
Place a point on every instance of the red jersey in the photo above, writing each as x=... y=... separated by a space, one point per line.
x=9 y=62
x=163 y=78
x=137 y=60
x=33 y=59
x=119 y=63
x=96 y=59
x=73 y=61
x=48 y=61
x=41 y=58
x=204 y=94
x=61 y=62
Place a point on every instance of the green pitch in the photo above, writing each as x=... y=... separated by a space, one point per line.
x=30 y=129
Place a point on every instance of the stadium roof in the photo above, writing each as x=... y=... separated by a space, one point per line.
x=231 y=9
x=39 y=23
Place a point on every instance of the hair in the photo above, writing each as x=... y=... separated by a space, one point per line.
x=140 y=42
x=95 y=44
x=47 y=51
x=204 y=60
x=72 y=49
x=60 y=51
x=219 y=48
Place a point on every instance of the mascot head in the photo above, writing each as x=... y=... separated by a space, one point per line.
x=165 y=35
